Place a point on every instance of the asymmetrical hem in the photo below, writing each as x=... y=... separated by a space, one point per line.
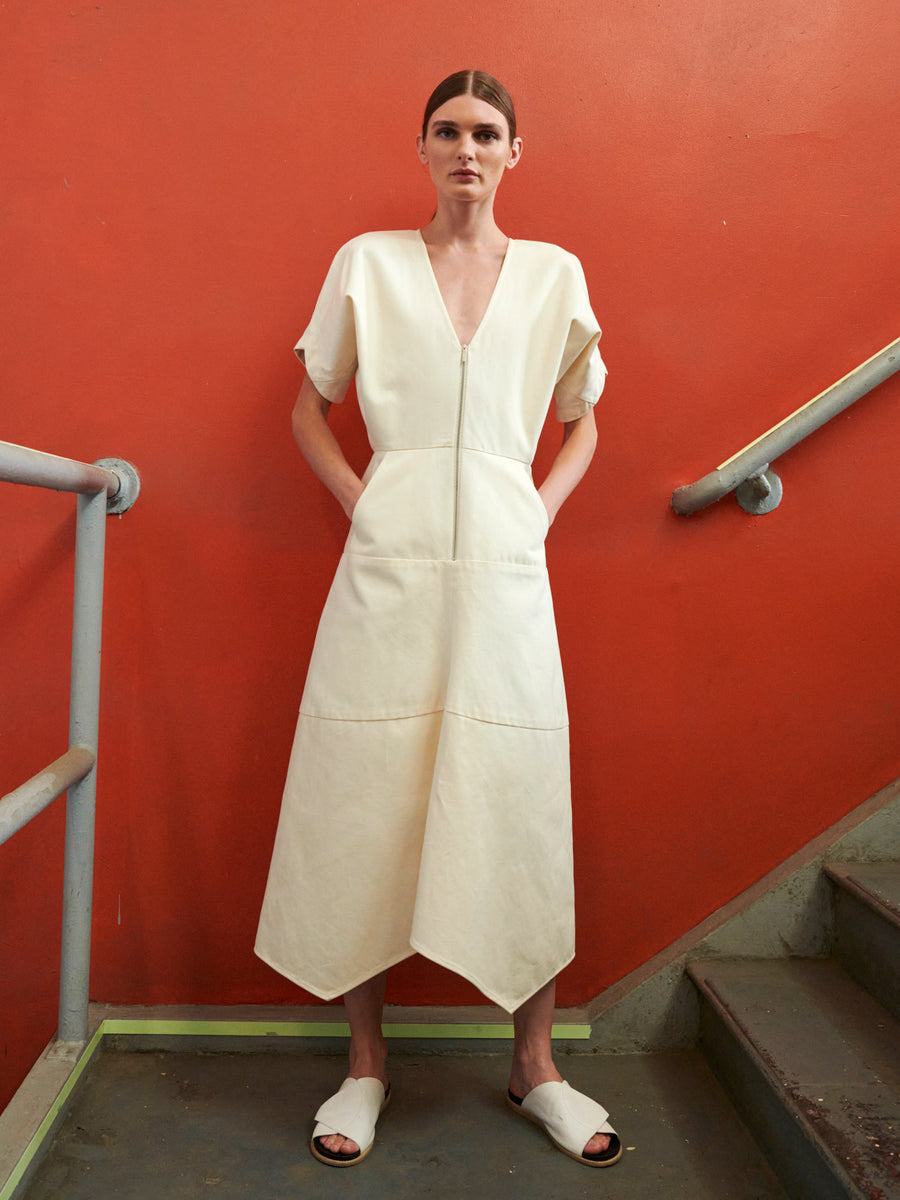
x=507 y=1002
x=288 y=973
x=427 y=803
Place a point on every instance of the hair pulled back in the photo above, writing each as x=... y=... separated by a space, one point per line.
x=472 y=83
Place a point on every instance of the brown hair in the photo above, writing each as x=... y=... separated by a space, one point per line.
x=472 y=83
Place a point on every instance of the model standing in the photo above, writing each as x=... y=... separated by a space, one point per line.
x=427 y=806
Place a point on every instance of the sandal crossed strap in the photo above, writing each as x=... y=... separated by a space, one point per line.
x=570 y=1120
x=351 y=1113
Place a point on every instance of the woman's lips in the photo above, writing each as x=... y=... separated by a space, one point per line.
x=465 y=175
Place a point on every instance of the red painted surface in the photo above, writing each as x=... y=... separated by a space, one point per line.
x=179 y=177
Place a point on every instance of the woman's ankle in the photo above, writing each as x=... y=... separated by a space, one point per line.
x=369 y=1061
x=527 y=1071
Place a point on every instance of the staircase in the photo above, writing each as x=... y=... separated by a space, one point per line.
x=809 y=1049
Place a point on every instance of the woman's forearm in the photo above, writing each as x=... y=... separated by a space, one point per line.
x=570 y=464
x=321 y=449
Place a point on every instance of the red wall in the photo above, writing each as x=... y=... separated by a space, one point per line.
x=180 y=175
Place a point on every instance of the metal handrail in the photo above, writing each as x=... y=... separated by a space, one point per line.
x=748 y=471
x=18 y=807
x=110 y=485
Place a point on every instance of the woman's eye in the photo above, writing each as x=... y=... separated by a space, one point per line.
x=488 y=135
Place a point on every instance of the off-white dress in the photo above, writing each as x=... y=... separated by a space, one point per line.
x=427 y=804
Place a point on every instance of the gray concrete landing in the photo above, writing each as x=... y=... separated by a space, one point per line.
x=183 y=1125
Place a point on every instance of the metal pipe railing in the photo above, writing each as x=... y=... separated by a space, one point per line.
x=107 y=486
x=84 y=720
x=759 y=488
x=20 y=464
x=19 y=806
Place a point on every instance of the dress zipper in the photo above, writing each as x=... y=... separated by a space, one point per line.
x=463 y=371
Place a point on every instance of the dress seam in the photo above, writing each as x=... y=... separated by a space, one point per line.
x=449 y=446
x=402 y=449
x=507 y=724
x=432 y=712
x=496 y=454
x=450 y=562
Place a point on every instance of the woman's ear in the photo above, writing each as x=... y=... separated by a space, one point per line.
x=515 y=153
x=420 y=148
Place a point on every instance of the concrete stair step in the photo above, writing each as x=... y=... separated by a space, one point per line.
x=867 y=926
x=812 y=1063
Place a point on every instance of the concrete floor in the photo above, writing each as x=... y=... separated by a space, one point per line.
x=235 y=1126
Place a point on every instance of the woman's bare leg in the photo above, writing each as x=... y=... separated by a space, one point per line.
x=368 y=1049
x=532 y=1062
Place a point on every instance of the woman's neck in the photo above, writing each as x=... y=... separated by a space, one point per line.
x=464 y=224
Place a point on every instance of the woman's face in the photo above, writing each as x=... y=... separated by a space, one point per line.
x=467 y=148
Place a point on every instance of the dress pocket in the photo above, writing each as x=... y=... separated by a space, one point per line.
x=502 y=517
x=401 y=512
x=545 y=516
x=357 y=517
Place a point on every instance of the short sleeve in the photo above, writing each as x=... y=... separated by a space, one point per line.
x=328 y=346
x=582 y=373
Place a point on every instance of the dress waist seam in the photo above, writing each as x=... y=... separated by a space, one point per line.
x=449 y=562
x=526 y=462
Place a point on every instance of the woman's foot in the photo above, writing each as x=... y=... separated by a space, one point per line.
x=355 y=1107
x=361 y=1067
x=524 y=1077
x=368 y=1049
x=568 y=1117
x=337 y=1144
x=533 y=1053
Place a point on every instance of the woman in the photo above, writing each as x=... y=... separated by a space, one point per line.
x=427 y=805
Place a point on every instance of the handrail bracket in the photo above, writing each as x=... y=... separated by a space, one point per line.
x=759 y=493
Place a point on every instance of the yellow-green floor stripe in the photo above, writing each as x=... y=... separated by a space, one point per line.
x=64 y=1092
x=321 y=1029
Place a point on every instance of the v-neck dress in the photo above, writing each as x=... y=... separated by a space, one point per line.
x=427 y=804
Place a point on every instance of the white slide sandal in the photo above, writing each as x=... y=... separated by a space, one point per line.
x=570 y=1120
x=351 y=1113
